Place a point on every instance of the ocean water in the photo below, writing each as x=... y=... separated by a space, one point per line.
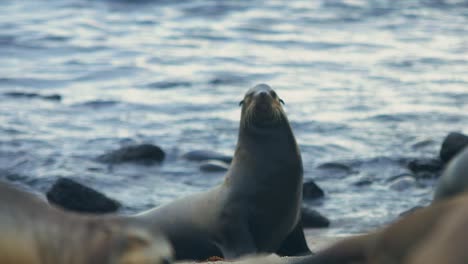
x=367 y=84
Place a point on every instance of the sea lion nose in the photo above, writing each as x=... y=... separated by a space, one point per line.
x=263 y=94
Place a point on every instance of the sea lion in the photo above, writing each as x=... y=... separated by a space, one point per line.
x=454 y=180
x=34 y=232
x=257 y=208
x=435 y=234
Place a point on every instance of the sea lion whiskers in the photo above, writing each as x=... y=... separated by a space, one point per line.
x=247 y=120
x=251 y=116
x=278 y=115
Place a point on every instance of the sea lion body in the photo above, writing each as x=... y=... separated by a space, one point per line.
x=454 y=180
x=34 y=232
x=257 y=208
x=435 y=234
x=432 y=235
x=189 y=223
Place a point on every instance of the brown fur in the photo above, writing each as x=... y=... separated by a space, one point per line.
x=34 y=232
x=447 y=243
x=435 y=234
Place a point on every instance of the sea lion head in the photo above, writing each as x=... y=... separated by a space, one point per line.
x=130 y=245
x=144 y=248
x=261 y=108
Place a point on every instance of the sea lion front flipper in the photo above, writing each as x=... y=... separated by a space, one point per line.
x=238 y=241
x=295 y=243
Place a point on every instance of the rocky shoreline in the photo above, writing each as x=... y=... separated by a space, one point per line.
x=75 y=196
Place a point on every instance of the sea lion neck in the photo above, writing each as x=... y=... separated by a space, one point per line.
x=264 y=133
x=276 y=141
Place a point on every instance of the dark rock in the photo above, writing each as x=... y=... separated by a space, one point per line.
x=74 y=196
x=313 y=219
x=334 y=169
x=214 y=166
x=310 y=190
x=52 y=97
x=425 y=165
x=202 y=155
x=145 y=153
x=21 y=94
x=423 y=144
x=452 y=145
x=334 y=166
x=363 y=182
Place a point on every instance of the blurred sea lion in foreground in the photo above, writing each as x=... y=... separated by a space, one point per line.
x=257 y=208
x=454 y=180
x=34 y=232
x=435 y=234
x=432 y=235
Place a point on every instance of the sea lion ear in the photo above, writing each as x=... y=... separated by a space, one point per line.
x=241 y=102
x=281 y=101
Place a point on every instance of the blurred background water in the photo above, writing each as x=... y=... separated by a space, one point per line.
x=366 y=83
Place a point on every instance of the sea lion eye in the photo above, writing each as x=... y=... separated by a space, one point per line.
x=281 y=101
x=241 y=102
x=273 y=94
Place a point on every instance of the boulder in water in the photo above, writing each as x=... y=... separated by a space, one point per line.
x=74 y=196
x=145 y=154
x=452 y=144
